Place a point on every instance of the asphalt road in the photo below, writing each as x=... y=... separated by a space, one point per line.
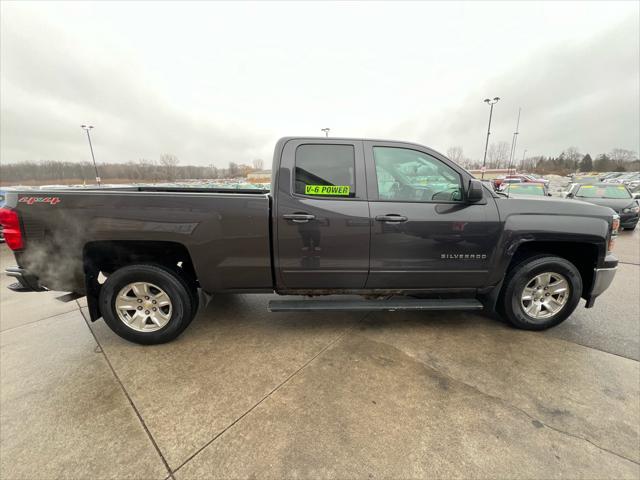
x=245 y=393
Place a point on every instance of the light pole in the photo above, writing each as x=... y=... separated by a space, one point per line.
x=514 y=142
x=86 y=128
x=491 y=103
x=326 y=131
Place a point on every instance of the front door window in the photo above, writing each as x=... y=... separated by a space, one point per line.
x=406 y=175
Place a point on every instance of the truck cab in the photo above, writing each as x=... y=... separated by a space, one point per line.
x=378 y=215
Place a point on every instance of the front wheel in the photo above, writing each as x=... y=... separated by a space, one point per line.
x=147 y=304
x=541 y=292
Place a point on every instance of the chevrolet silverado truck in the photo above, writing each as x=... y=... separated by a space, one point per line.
x=348 y=224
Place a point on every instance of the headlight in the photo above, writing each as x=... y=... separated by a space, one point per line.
x=615 y=224
x=631 y=209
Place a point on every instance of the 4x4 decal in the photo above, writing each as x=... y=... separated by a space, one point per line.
x=32 y=200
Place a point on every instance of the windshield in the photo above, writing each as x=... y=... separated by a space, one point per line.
x=526 y=189
x=598 y=191
x=585 y=180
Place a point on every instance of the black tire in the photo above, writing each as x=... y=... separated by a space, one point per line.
x=192 y=289
x=631 y=228
x=522 y=274
x=176 y=287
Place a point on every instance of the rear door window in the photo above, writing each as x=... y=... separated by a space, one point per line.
x=325 y=171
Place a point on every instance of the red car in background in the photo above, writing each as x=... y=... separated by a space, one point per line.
x=522 y=177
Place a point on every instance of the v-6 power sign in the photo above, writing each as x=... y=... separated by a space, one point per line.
x=342 y=190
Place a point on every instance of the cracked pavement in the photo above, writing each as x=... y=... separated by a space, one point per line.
x=245 y=393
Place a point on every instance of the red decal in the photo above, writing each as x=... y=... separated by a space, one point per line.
x=32 y=200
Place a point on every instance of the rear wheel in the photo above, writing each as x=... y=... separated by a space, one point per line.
x=541 y=292
x=147 y=304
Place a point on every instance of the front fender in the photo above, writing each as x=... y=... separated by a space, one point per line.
x=551 y=231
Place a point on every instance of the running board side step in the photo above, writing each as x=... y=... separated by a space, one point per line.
x=374 y=305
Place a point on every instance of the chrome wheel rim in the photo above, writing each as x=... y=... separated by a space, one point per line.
x=545 y=295
x=143 y=307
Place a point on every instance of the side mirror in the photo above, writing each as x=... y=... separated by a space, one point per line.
x=475 y=191
x=636 y=196
x=569 y=195
x=549 y=195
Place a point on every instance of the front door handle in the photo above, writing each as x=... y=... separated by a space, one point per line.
x=299 y=217
x=392 y=218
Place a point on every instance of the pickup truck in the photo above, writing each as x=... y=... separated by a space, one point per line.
x=348 y=224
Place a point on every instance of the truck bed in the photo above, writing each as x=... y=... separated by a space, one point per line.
x=225 y=233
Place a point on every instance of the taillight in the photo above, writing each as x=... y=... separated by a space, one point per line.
x=11 y=229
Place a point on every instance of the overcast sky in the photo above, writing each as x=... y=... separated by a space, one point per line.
x=217 y=82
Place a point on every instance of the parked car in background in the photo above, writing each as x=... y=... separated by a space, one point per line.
x=523 y=177
x=624 y=178
x=506 y=182
x=1 y=227
x=534 y=189
x=609 y=176
x=530 y=178
x=633 y=178
x=616 y=197
x=584 y=179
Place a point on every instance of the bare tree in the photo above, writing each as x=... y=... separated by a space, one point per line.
x=234 y=170
x=572 y=157
x=621 y=155
x=456 y=154
x=258 y=164
x=498 y=154
x=169 y=165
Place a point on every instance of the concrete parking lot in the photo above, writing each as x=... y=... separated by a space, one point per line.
x=248 y=394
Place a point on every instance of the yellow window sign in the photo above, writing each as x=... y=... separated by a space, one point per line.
x=342 y=190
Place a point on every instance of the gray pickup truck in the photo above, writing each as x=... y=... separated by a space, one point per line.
x=349 y=224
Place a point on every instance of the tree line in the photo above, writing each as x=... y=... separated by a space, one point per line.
x=568 y=161
x=166 y=169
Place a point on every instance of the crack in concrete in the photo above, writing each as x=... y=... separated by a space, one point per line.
x=126 y=394
x=322 y=351
x=268 y=395
x=36 y=321
x=505 y=402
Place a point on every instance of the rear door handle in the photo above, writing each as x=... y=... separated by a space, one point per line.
x=392 y=218
x=299 y=217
